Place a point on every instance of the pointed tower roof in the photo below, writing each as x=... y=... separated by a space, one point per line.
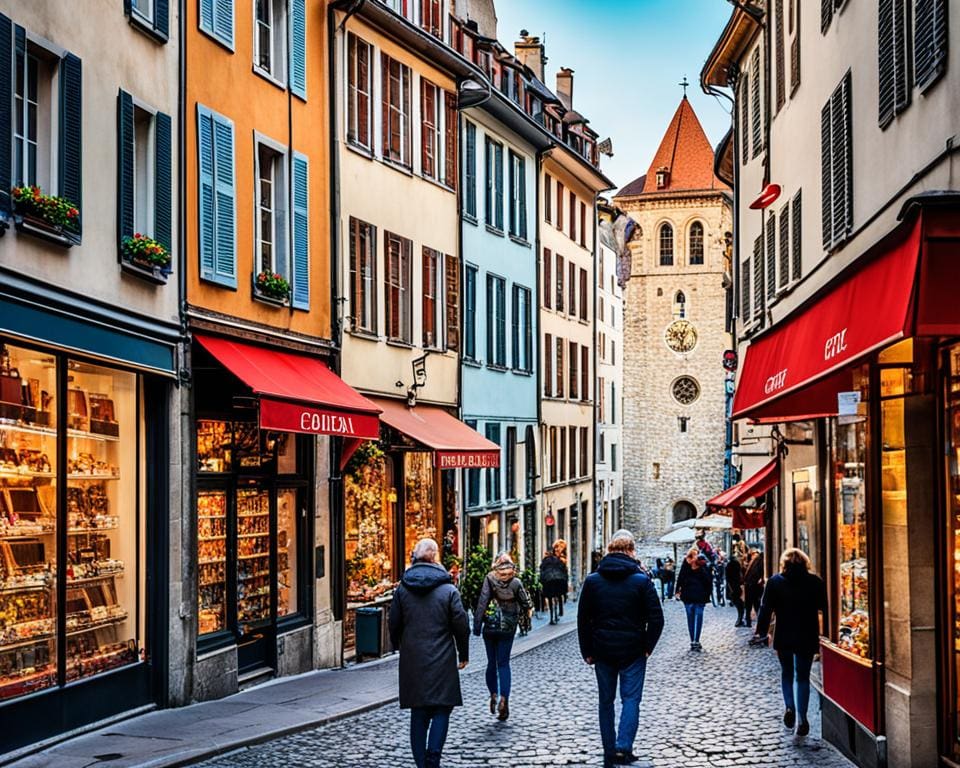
x=683 y=162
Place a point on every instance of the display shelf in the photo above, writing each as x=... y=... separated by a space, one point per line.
x=27 y=642
x=78 y=434
x=28 y=429
x=26 y=534
x=109 y=622
x=77 y=477
x=253 y=514
x=89 y=530
x=88 y=580
x=252 y=535
x=257 y=575
x=8 y=474
x=14 y=588
x=252 y=557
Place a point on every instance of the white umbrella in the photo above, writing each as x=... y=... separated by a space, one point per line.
x=678 y=536
x=688 y=523
x=714 y=523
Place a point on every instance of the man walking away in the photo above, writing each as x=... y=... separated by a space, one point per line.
x=619 y=622
x=430 y=628
x=719 y=567
x=734 y=575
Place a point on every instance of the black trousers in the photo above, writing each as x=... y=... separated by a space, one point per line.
x=753 y=603
x=737 y=602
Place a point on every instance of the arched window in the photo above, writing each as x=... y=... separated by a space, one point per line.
x=666 y=245
x=683 y=510
x=696 y=243
x=680 y=305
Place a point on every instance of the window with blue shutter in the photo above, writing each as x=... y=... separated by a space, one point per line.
x=218 y=256
x=71 y=135
x=301 y=234
x=125 y=162
x=6 y=111
x=216 y=19
x=151 y=16
x=298 y=48
x=163 y=189
x=470 y=173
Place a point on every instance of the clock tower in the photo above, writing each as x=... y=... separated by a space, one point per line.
x=676 y=318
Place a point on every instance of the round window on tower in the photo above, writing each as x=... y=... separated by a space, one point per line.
x=685 y=390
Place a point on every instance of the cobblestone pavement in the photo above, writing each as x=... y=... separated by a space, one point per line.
x=720 y=707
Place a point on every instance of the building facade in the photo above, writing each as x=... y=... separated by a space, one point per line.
x=90 y=478
x=859 y=383
x=675 y=331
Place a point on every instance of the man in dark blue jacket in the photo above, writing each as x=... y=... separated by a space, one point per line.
x=619 y=621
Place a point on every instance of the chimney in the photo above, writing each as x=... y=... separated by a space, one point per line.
x=529 y=50
x=565 y=87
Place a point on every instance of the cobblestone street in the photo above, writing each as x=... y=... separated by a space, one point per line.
x=718 y=708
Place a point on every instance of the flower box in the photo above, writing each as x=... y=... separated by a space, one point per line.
x=146 y=257
x=271 y=288
x=46 y=216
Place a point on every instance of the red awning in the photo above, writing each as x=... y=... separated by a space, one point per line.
x=457 y=446
x=298 y=393
x=753 y=488
x=870 y=309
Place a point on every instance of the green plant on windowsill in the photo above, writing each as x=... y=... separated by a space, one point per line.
x=29 y=201
x=272 y=285
x=145 y=251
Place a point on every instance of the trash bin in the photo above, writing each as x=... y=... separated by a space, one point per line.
x=369 y=632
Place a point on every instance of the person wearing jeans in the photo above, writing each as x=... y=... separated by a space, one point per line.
x=694 y=588
x=498 y=646
x=428 y=733
x=797 y=597
x=619 y=621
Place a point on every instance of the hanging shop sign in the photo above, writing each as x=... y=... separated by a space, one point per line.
x=468 y=459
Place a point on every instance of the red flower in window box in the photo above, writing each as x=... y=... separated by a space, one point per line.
x=272 y=285
x=30 y=202
x=145 y=251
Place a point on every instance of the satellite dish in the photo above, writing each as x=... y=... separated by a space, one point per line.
x=605 y=147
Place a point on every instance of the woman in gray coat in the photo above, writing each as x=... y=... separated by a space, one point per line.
x=430 y=628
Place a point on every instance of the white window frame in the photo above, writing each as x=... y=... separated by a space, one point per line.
x=406 y=118
x=145 y=222
x=151 y=10
x=47 y=112
x=439 y=132
x=281 y=197
x=352 y=107
x=277 y=27
x=439 y=317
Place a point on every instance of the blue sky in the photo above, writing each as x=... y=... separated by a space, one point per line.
x=628 y=57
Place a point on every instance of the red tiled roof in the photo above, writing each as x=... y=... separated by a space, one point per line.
x=685 y=152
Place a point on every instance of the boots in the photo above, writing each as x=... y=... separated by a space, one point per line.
x=503 y=711
x=433 y=760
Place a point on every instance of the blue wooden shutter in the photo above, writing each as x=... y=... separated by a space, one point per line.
x=225 y=250
x=523 y=199
x=71 y=136
x=161 y=17
x=125 y=182
x=207 y=207
x=298 y=48
x=301 y=234
x=216 y=17
x=206 y=15
x=163 y=188
x=6 y=110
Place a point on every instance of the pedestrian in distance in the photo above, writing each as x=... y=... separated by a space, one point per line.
x=431 y=629
x=734 y=576
x=753 y=584
x=502 y=601
x=694 y=587
x=658 y=577
x=619 y=621
x=554 y=578
x=669 y=577
x=797 y=597
x=719 y=581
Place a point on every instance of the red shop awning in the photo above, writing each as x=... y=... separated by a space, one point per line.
x=456 y=445
x=869 y=309
x=733 y=500
x=298 y=393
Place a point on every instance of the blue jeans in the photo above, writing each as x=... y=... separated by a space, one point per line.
x=799 y=664
x=498 y=663
x=631 y=692
x=428 y=731
x=694 y=620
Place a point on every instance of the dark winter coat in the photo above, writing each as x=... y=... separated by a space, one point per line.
x=796 y=599
x=430 y=628
x=554 y=576
x=753 y=578
x=509 y=594
x=694 y=586
x=619 y=618
x=734 y=575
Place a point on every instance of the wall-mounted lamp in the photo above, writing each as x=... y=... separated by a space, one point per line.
x=419 y=366
x=767 y=198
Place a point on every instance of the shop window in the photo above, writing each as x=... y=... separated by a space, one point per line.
x=269 y=38
x=101 y=525
x=420 y=512
x=369 y=499
x=951 y=636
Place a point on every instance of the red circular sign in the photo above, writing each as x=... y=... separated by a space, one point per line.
x=550 y=520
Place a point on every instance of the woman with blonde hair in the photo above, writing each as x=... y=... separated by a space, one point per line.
x=796 y=596
x=694 y=587
x=502 y=599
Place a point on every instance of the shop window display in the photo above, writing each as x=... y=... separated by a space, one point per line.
x=368 y=503
x=101 y=627
x=953 y=469
x=420 y=513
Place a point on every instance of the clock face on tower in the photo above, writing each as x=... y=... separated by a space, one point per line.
x=681 y=336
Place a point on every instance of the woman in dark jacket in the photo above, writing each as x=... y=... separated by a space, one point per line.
x=734 y=576
x=694 y=585
x=554 y=578
x=430 y=628
x=797 y=597
x=753 y=584
x=502 y=593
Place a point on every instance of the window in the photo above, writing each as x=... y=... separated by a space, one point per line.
x=452 y=277
x=395 y=106
x=666 y=245
x=696 y=244
x=511 y=463
x=685 y=390
x=559 y=301
x=562 y=462
x=758 y=293
x=836 y=159
x=584 y=373
x=470 y=314
x=744 y=103
x=518 y=197
x=430 y=129
x=470 y=172
x=472 y=479
x=553 y=454
x=547 y=278
x=494 y=492
x=796 y=257
x=601 y=401
x=547 y=365
x=402 y=7
x=601 y=449
x=559 y=205
x=271 y=211
x=397 y=288
x=757 y=124
x=430 y=12
x=771 y=256
x=218 y=252
x=794 y=19
x=143 y=9
x=558 y=392
x=359 y=92
x=522 y=329
x=781 y=80
x=613 y=403
x=783 y=266
x=573 y=452
x=573 y=370
x=572 y=288
x=613 y=457
x=583 y=295
x=269 y=37
x=745 y=290
x=530 y=464
x=584 y=451
x=363 y=275
x=496 y=322
x=680 y=305
x=547 y=198
x=431 y=288
x=583 y=224
x=450 y=118
x=493 y=154
x=929 y=41
x=573 y=217
x=894 y=53
x=683 y=510
x=216 y=19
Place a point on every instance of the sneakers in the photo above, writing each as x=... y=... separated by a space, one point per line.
x=790 y=718
x=696 y=647
x=803 y=729
x=503 y=711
